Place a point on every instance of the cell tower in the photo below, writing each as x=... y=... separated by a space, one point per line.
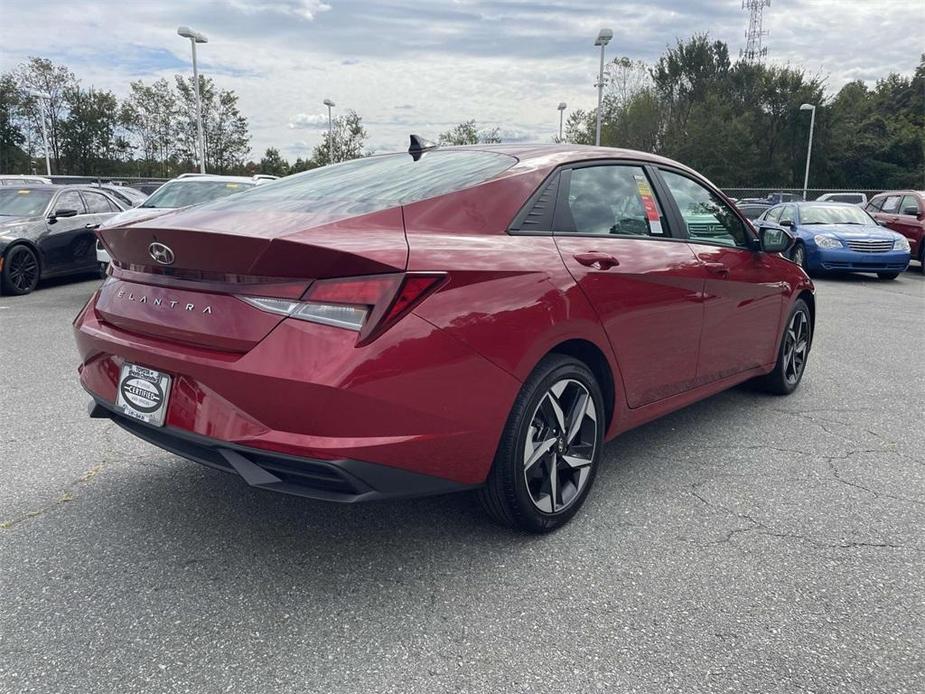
x=753 y=51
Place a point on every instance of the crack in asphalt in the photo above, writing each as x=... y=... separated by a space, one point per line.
x=761 y=529
x=66 y=497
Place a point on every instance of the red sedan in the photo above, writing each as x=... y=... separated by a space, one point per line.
x=448 y=319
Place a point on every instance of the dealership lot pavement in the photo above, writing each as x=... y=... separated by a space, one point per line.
x=747 y=543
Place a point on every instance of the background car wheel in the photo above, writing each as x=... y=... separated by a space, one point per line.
x=888 y=275
x=922 y=256
x=103 y=268
x=798 y=255
x=550 y=449
x=20 y=271
x=794 y=350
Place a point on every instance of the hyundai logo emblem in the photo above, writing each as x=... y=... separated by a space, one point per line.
x=161 y=253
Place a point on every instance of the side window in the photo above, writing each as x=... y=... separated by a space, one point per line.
x=774 y=214
x=707 y=217
x=910 y=205
x=612 y=200
x=96 y=203
x=70 y=200
x=876 y=204
x=891 y=204
x=787 y=214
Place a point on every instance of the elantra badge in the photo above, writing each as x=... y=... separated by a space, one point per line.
x=161 y=253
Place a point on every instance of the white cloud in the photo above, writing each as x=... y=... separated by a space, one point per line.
x=423 y=67
x=309 y=120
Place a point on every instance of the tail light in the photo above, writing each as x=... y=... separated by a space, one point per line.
x=367 y=305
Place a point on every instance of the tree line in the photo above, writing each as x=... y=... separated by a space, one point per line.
x=740 y=123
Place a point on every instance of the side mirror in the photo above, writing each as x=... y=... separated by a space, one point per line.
x=786 y=222
x=63 y=212
x=881 y=222
x=774 y=238
x=911 y=211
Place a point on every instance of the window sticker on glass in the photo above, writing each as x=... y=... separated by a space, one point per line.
x=648 y=202
x=232 y=185
x=23 y=192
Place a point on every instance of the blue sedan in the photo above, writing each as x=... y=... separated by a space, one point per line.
x=841 y=236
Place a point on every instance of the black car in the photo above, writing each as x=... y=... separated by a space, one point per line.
x=125 y=195
x=752 y=210
x=48 y=231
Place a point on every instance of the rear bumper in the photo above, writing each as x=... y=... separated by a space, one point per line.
x=343 y=481
x=414 y=399
x=853 y=261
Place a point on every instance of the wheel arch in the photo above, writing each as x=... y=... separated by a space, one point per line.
x=810 y=300
x=32 y=247
x=591 y=356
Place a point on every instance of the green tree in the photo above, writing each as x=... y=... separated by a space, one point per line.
x=12 y=138
x=150 y=115
x=468 y=133
x=44 y=76
x=349 y=141
x=225 y=130
x=272 y=163
x=88 y=141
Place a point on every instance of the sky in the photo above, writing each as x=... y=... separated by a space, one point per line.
x=424 y=65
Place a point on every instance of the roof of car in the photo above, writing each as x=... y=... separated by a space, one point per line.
x=213 y=177
x=53 y=187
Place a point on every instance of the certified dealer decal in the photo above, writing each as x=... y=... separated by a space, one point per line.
x=144 y=395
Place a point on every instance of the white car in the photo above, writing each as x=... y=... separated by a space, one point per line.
x=183 y=191
x=23 y=180
x=853 y=198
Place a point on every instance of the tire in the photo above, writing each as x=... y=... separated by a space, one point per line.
x=922 y=256
x=888 y=275
x=543 y=492
x=791 y=362
x=21 y=271
x=798 y=255
x=103 y=268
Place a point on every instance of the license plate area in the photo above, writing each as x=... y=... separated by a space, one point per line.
x=143 y=394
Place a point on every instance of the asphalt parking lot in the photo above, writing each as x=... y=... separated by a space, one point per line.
x=747 y=543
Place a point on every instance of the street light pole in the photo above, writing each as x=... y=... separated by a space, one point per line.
x=330 y=104
x=603 y=38
x=562 y=108
x=194 y=38
x=41 y=96
x=809 y=147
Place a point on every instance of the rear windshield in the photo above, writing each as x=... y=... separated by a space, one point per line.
x=366 y=185
x=23 y=202
x=192 y=192
x=840 y=214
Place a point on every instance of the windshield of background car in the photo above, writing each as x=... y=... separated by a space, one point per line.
x=23 y=202
x=834 y=214
x=367 y=185
x=192 y=192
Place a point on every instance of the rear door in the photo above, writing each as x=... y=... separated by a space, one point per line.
x=644 y=284
x=743 y=296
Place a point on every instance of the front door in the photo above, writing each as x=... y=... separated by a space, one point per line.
x=743 y=297
x=644 y=284
x=61 y=246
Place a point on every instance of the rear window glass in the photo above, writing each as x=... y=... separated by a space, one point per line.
x=184 y=192
x=367 y=185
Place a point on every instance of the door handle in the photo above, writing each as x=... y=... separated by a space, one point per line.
x=91 y=226
x=597 y=260
x=717 y=269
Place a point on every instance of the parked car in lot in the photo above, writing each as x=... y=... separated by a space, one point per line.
x=853 y=198
x=48 y=231
x=752 y=210
x=903 y=211
x=23 y=180
x=466 y=318
x=183 y=191
x=841 y=236
x=777 y=198
x=126 y=195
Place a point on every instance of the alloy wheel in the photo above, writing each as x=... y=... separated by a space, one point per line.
x=796 y=347
x=23 y=270
x=559 y=446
